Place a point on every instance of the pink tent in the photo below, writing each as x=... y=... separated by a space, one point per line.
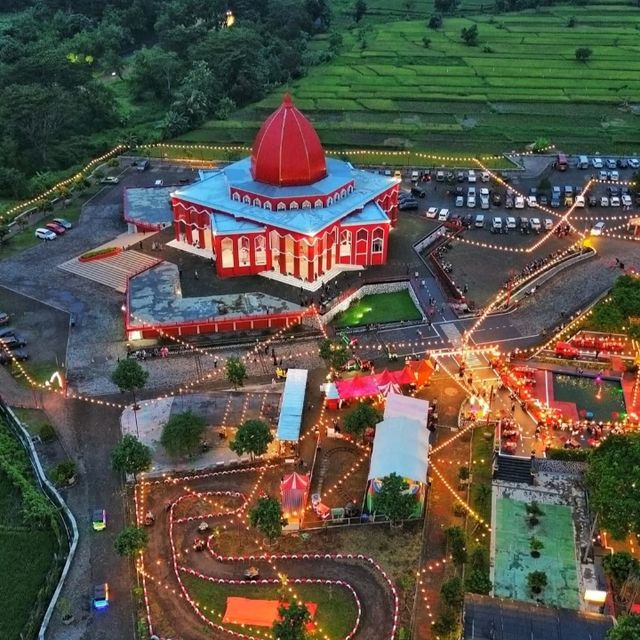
x=358 y=387
x=293 y=492
x=405 y=376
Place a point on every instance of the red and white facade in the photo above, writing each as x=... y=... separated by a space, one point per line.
x=287 y=209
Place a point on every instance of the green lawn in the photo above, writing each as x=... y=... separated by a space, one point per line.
x=379 y=308
x=521 y=82
x=336 y=612
x=25 y=556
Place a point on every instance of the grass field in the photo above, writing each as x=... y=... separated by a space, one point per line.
x=25 y=560
x=336 y=612
x=379 y=308
x=521 y=82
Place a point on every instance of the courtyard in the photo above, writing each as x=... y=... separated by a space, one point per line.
x=379 y=308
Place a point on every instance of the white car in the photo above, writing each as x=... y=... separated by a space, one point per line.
x=615 y=201
x=532 y=201
x=626 y=200
x=443 y=215
x=597 y=163
x=472 y=176
x=159 y=183
x=485 y=176
x=510 y=223
x=535 y=224
x=45 y=234
x=471 y=201
x=548 y=224
x=634 y=163
x=604 y=201
x=459 y=201
x=496 y=224
x=479 y=222
x=63 y=223
x=615 y=176
x=109 y=180
x=519 y=203
x=484 y=202
x=580 y=201
x=597 y=228
x=432 y=212
x=414 y=176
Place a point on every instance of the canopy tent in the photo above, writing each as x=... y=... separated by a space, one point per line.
x=259 y=613
x=293 y=492
x=399 y=406
x=400 y=446
x=422 y=370
x=292 y=405
x=357 y=387
x=404 y=376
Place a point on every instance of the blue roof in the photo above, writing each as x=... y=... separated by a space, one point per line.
x=150 y=205
x=222 y=223
x=372 y=212
x=213 y=191
x=292 y=405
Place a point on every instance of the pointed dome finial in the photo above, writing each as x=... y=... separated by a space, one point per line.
x=287 y=100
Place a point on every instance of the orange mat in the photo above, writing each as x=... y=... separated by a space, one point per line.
x=257 y=613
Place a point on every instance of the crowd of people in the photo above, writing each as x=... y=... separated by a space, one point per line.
x=536 y=264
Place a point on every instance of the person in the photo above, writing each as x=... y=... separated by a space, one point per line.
x=140 y=245
x=195 y=275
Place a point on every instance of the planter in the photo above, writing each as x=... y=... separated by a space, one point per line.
x=535 y=554
x=100 y=254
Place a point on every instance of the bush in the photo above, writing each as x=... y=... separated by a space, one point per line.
x=477 y=581
x=452 y=592
x=47 y=433
x=570 y=455
x=456 y=543
x=446 y=623
x=63 y=472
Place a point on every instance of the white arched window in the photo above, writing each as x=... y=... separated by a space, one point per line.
x=306 y=205
x=260 y=246
x=236 y=196
x=294 y=205
x=329 y=201
x=246 y=200
x=267 y=205
x=350 y=188
x=343 y=193
x=318 y=204
x=243 y=251
x=256 y=202
x=281 y=206
x=377 y=243
x=345 y=243
x=227 y=253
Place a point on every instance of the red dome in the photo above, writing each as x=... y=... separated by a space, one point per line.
x=287 y=151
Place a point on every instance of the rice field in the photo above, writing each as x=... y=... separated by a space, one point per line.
x=521 y=82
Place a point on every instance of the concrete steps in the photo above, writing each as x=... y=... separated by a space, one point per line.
x=111 y=272
x=513 y=469
x=309 y=286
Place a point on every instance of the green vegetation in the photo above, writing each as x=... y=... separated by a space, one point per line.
x=613 y=497
x=131 y=456
x=28 y=543
x=627 y=628
x=521 y=82
x=393 y=501
x=378 y=308
x=336 y=608
x=266 y=516
x=253 y=437
x=619 y=312
x=182 y=434
x=96 y=253
x=572 y=455
x=292 y=625
x=360 y=418
x=235 y=371
x=129 y=376
x=335 y=354
x=130 y=541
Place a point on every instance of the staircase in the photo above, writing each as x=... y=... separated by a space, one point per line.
x=297 y=283
x=513 y=469
x=112 y=272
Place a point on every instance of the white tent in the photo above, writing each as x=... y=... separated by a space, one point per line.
x=401 y=446
x=399 y=406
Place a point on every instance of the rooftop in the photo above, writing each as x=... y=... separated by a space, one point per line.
x=213 y=191
x=149 y=206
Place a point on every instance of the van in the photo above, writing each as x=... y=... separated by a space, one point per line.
x=583 y=162
x=472 y=176
x=561 y=163
x=143 y=165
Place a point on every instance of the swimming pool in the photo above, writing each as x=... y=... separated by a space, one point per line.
x=604 y=400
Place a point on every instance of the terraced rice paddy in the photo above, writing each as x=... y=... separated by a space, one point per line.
x=521 y=82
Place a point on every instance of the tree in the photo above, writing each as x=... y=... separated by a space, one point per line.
x=335 y=354
x=129 y=376
x=292 y=624
x=583 y=54
x=335 y=41
x=392 y=499
x=537 y=581
x=627 y=628
x=131 y=456
x=266 y=516
x=456 y=544
x=235 y=371
x=477 y=581
x=620 y=566
x=469 y=35
x=572 y=21
x=613 y=496
x=452 y=592
x=426 y=42
x=130 y=541
x=252 y=437
x=435 y=21
x=445 y=6
x=360 y=418
x=535 y=546
x=182 y=434
x=359 y=10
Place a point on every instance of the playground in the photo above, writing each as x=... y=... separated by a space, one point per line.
x=514 y=560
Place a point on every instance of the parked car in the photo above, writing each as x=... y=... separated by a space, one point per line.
x=17 y=354
x=555 y=202
x=496 y=225
x=460 y=201
x=414 y=176
x=432 y=212
x=536 y=225
x=548 y=224
x=580 y=202
x=592 y=201
x=418 y=192
x=460 y=176
x=471 y=201
x=99 y=520
x=524 y=224
x=597 y=163
x=603 y=175
x=408 y=204
x=467 y=220
x=484 y=198
x=443 y=214
x=496 y=199
x=7 y=331
x=519 y=202
x=508 y=201
x=13 y=342
x=510 y=222
x=568 y=199
x=597 y=228
x=615 y=201
x=58 y=229
x=532 y=201
x=403 y=195
x=63 y=223
x=556 y=191
x=479 y=221
x=634 y=163
x=485 y=176
x=544 y=199
x=604 y=201
x=613 y=191
x=100 y=599
x=45 y=234
x=4 y=317
x=611 y=163
x=615 y=176
x=626 y=200
x=439 y=176
x=109 y=180
x=472 y=176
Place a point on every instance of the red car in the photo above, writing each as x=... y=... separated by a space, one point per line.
x=58 y=229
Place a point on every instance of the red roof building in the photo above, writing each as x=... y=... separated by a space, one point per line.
x=288 y=208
